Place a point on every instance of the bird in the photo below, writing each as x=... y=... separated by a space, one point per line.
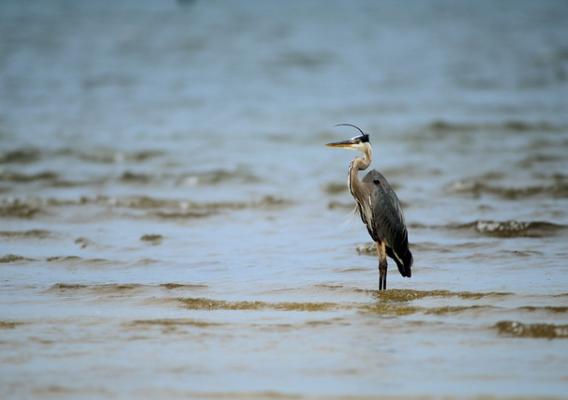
x=379 y=208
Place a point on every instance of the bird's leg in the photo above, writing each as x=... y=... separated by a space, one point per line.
x=382 y=253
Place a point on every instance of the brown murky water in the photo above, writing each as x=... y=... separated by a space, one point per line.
x=172 y=226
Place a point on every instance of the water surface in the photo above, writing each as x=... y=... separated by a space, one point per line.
x=171 y=224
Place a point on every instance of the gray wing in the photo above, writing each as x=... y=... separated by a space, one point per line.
x=388 y=220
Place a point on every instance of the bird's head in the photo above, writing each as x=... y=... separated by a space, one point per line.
x=360 y=143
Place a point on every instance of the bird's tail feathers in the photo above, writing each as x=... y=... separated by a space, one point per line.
x=403 y=259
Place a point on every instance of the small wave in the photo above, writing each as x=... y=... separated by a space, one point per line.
x=28 y=155
x=216 y=177
x=367 y=248
x=457 y=309
x=133 y=177
x=67 y=286
x=31 y=234
x=47 y=178
x=537 y=331
x=552 y=309
x=333 y=188
x=521 y=253
x=54 y=179
x=173 y=323
x=441 y=126
x=394 y=309
x=110 y=156
x=349 y=270
x=10 y=324
x=18 y=177
x=20 y=156
x=328 y=286
x=405 y=295
x=160 y=208
x=525 y=126
x=445 y=248
x=104 y=288
x=408 y=295
x=152 y=238
x=531 y=161
x=152 y=203
x=200 y=303
x=78 y=260
x=418 y=225
x=121 y=287
x=138 y=202
x=396 y=301
x=173 y=286
x=84 y=242
x=13 y=258
x=269 y=202
x=511 y=229
x=15 y=208
x=327 y=322
x=333 y=205
x=181 y=214
x=475 y=187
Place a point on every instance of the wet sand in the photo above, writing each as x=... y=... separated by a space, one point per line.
x=172 y=226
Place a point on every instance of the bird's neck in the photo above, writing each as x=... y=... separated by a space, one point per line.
x=356 y=165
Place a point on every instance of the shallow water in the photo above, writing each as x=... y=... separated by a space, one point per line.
x=171 y=224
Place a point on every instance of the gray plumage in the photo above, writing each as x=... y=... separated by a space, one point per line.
x=387 y=221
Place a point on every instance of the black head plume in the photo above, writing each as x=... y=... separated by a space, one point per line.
x=364 y=137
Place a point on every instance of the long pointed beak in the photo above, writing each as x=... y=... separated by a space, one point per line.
x=345 y=144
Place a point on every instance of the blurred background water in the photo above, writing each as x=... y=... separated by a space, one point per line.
x=172 y=226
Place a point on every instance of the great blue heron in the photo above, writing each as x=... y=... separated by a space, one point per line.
x=379 y=208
